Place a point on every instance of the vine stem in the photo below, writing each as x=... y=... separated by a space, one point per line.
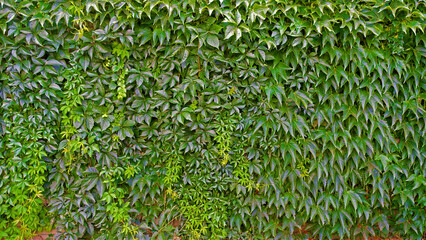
x=164 y=225
x=198 y=55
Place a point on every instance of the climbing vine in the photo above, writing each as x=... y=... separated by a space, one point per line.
x=224 y=119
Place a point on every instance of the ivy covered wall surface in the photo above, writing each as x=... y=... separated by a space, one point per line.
x=220 y=119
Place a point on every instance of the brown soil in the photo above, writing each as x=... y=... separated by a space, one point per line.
x=45 y=235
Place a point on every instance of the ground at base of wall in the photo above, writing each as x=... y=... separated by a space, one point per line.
x=45 y=235
x=50 y=236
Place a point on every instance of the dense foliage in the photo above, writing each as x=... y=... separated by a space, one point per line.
x=229 y=119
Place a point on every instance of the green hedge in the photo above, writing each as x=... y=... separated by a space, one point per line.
x=184 y=119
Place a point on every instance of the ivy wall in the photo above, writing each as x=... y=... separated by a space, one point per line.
x=257 y=119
